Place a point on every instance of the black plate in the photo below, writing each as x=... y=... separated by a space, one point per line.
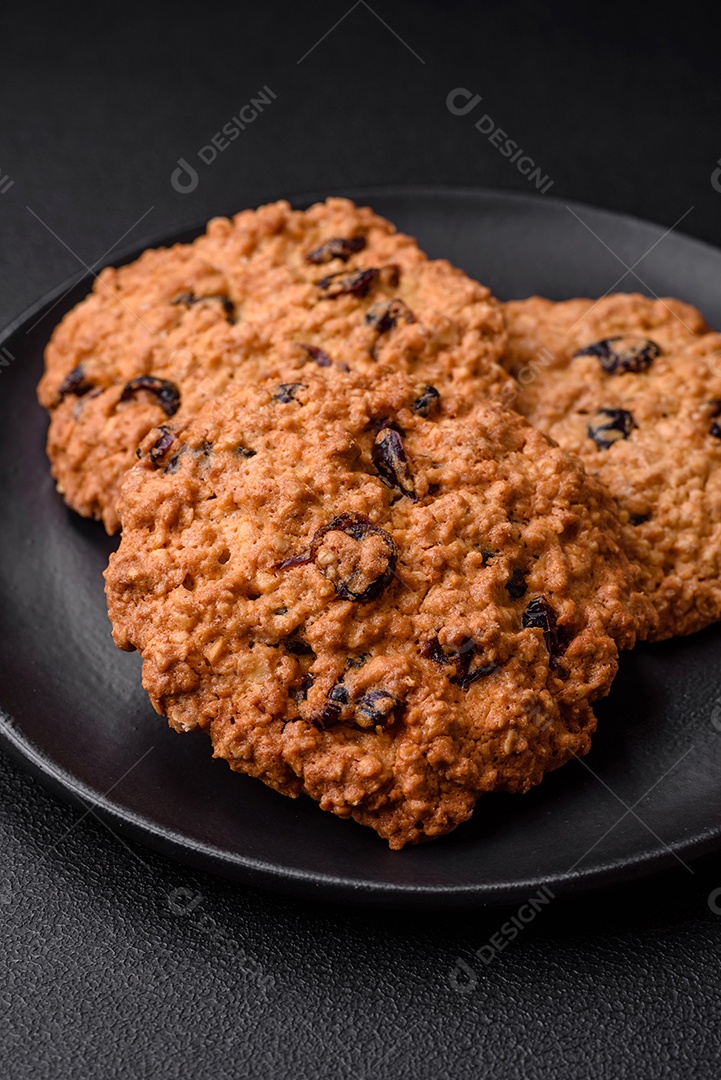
x=646 y=797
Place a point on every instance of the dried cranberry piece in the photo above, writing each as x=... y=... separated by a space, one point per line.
x=516 y=586
x=384 y=317
x=319 y=356
x=610 y=426
x=336 y=248
x=358 y=283
x=540 y=615
x=389 y=457
x=286 y=392
x=378 y=706
x=190 y=298
x=74 y=383
x=627 y=352
x=166 y=392
x=427 y=403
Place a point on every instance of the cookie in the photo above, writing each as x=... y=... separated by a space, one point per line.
x=634 y=386
x=269 y=290
x=365 y=598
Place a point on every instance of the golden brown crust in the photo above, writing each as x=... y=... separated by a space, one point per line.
x=648 y=434
x=243 y=301
x=391 y=612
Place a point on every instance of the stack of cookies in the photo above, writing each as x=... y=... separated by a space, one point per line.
x=383 y=537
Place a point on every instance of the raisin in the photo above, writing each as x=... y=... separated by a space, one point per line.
x=353 y=585
x=333 y=708
x=464 y=675
x=516 y=586
x=715 y=411
x=174 y=463
x=389 y=458
x=302 y=691
x=74 y=383
x=428 y=402
x=294 y=560
x=384 y=317
x=639 y=519
x=540 y=615
x=166 y=392
x=319 y=356
x=286 y=392
x=358 y=283
x=190 y=298
x=357 y=661
x=162 y=445
x=467 y=678
x=297 y=646
x=618 y=355
x=336 y=248
x=354 y=581
x=610 y=426
x=433 y=650
x=378 y=706
x=244 y=452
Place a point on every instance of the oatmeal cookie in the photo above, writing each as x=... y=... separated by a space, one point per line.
x=634 y=386
x=365 y=598
x=270 y=290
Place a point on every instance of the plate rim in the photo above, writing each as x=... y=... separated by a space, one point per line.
x=253 y=871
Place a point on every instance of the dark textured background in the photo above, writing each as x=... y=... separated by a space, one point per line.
x=117 y=962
